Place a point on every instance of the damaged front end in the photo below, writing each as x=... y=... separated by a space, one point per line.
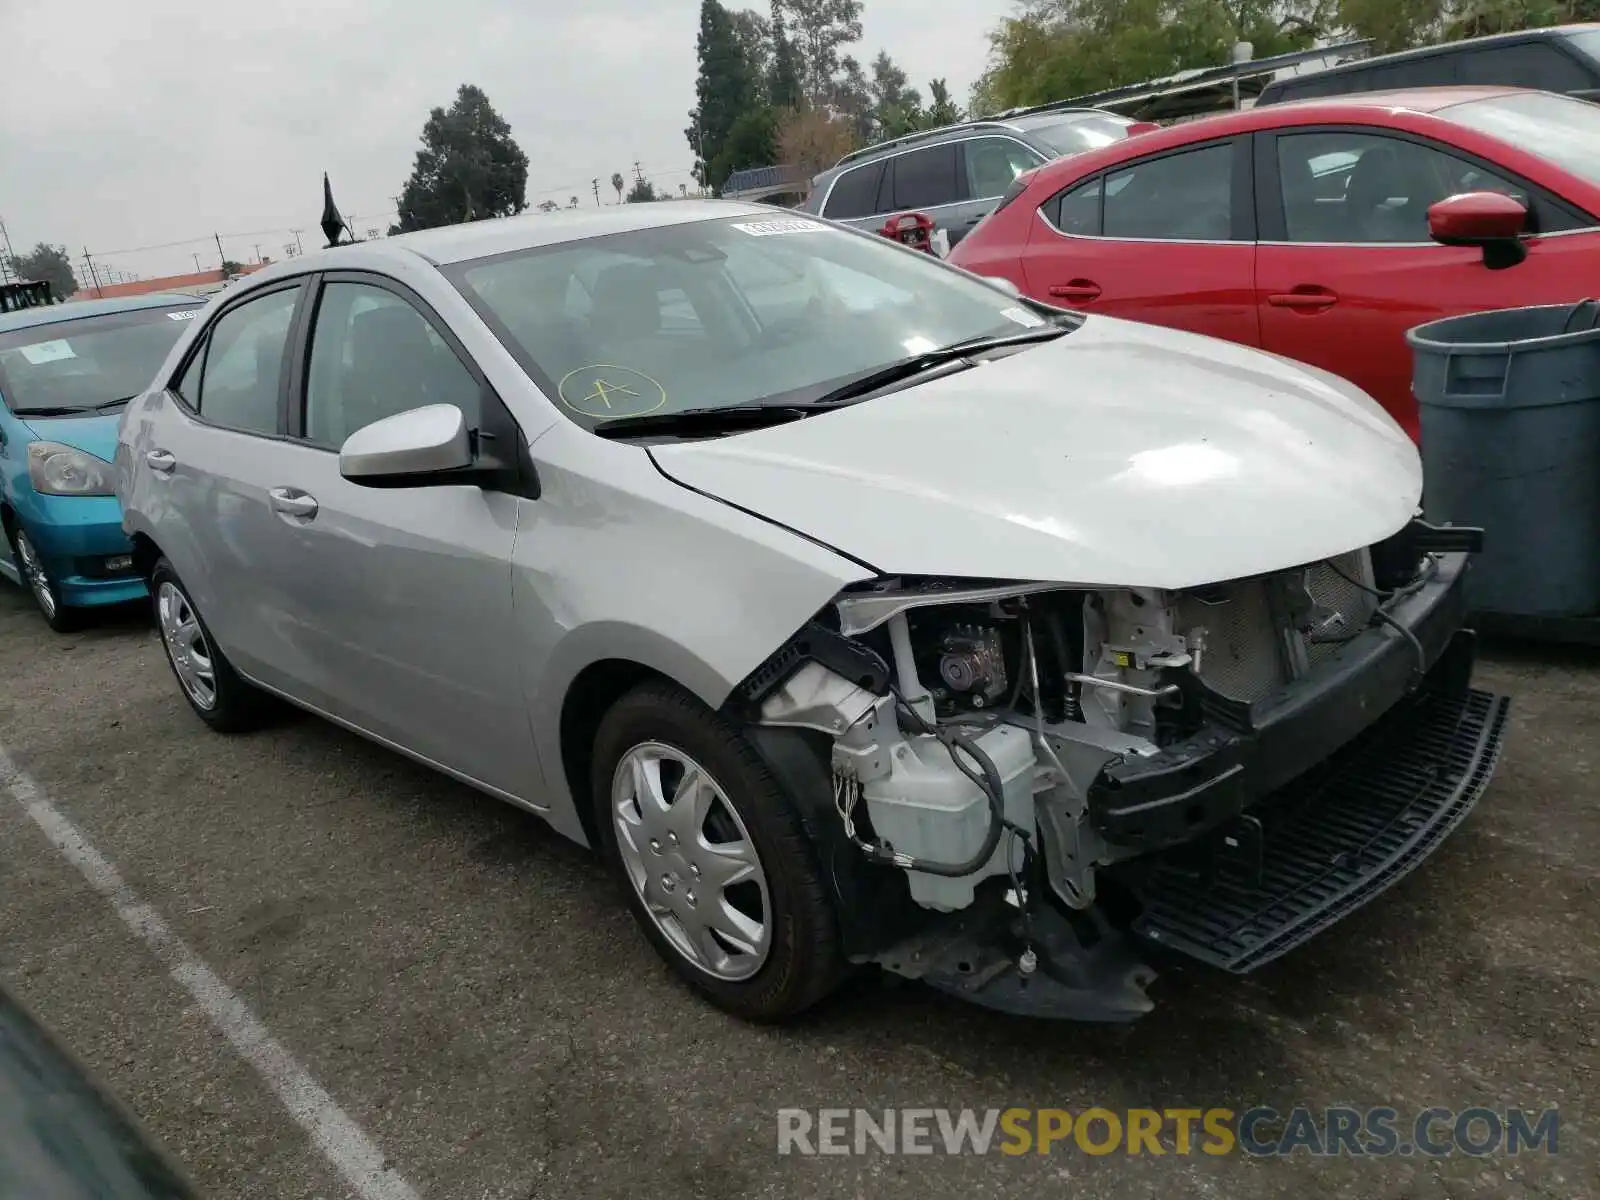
x=1029 y=785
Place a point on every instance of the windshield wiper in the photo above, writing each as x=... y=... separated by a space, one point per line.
x=908 y=368
x=48 y=411
x=117 y=403
x=693 y=421
x=704 y=420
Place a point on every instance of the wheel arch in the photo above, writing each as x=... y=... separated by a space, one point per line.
x=589 y=697
x=145 y=555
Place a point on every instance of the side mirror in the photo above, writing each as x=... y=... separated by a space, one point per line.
x=1488 y=219
x=410 y=449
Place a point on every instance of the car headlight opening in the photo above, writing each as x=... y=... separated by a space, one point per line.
x=57 y=470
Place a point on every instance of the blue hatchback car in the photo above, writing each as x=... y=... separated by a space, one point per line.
x=66 y=373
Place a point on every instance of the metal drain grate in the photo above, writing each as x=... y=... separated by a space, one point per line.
x=1333 y=841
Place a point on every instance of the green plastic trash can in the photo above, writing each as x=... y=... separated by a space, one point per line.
x=1510 y=418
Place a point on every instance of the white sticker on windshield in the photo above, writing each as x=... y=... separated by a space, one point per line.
x=44 y=352
x=1022 y=317
x=187 y=315
x=780 y=225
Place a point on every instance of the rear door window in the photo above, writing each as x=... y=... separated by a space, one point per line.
x=1528 y=64
x=1434 y=70
x=926 y=178
x=243 y=369
x=1178 y=197
x=854 y=193
x=1076 y=211
x=993 y=164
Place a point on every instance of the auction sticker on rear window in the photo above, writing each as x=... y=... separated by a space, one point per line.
x=187 y=314
x=45 y=352
x=780 y=225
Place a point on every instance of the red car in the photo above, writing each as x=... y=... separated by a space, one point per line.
x=1320 y=230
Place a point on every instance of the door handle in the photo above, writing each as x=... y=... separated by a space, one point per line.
x=1076 y=289
x=160 y=460
x=292 y=503
x=1306 y=299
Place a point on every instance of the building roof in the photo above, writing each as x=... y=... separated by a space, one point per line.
x=168 y=283
x=1201 y=90
x=76 y=310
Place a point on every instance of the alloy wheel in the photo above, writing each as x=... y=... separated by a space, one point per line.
x=33 y=571
x=691 y=861
x=186 y=646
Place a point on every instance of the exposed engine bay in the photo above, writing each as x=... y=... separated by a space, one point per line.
x=1044 y=735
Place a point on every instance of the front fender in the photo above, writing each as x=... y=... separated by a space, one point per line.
x=616 y=562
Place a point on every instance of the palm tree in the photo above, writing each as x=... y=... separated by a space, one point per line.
x=616 y=182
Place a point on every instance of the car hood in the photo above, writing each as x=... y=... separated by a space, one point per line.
x=96 y=435
x=1120 y=454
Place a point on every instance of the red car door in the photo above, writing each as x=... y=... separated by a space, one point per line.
x=1167 y=239
x=1345 y=265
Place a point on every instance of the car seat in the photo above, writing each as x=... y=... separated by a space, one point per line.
x=627 y=304
x=1389 y=196
x=394 y=366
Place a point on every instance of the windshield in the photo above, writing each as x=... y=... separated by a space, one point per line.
x=720 y=313
x=1558 y=128
x=1079 y=133
x=89 y=363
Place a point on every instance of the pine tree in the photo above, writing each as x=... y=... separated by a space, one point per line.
x=469 y=168
x=784 y=84
x=725 y=90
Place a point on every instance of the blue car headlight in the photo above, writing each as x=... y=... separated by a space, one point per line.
x=57 y=470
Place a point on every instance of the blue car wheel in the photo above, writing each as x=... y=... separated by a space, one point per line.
x=30 y=565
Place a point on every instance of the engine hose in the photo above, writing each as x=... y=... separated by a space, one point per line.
x=1381 y=613
x=987 y=777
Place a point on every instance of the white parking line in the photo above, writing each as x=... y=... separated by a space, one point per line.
x=340 y=1139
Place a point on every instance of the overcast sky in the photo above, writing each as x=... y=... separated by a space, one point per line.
x=134 y=124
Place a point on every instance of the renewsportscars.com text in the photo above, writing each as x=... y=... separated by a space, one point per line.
x=1260 y=1132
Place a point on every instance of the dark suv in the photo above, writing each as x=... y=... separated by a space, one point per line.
x=957 y=174
x=1561 y=58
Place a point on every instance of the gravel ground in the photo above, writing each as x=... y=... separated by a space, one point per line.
x=470 y=989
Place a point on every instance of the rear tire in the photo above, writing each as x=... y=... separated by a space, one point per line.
x=729 y=892
x=36 y=580
x=205 y=677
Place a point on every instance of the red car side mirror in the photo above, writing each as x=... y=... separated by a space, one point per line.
x=1488 y=219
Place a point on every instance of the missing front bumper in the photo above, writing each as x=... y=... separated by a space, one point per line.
x=1330 y=841
x=1289 y=867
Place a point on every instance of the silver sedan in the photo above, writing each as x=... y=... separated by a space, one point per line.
x=856 y=609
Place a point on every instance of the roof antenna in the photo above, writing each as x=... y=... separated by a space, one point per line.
x=332 y=223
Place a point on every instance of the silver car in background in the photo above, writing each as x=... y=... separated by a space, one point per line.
x=856 y=609
x=958 y=174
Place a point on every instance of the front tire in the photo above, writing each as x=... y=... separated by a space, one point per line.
x=36 y=578
x=208 y=681
x=717 y=868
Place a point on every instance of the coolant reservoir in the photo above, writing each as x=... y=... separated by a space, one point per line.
x=927 y=808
